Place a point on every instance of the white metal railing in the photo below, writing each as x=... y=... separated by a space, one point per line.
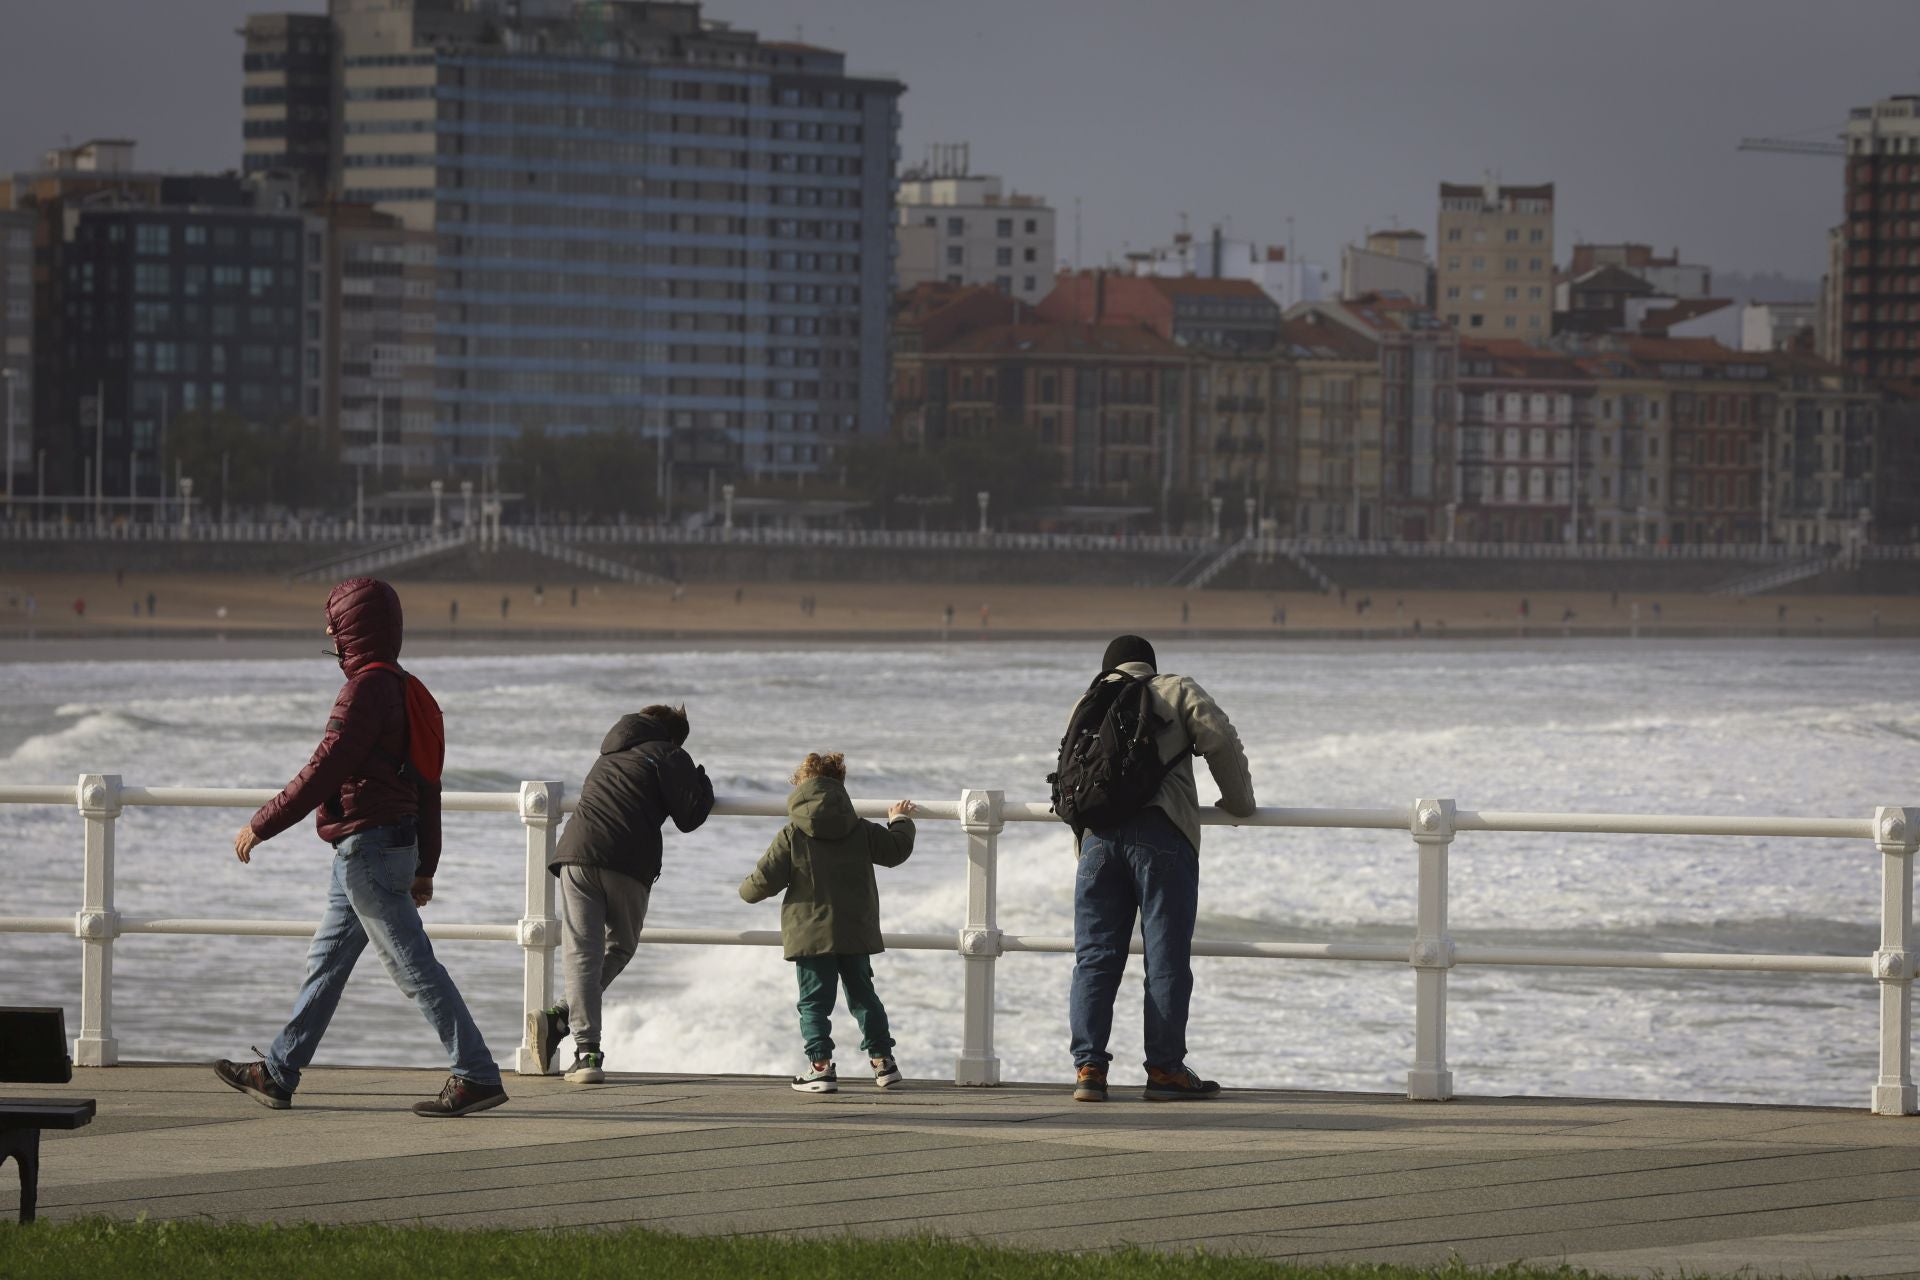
x=982 y=815
x=337 y=531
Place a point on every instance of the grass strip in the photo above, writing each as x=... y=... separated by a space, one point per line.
x=163 y=1250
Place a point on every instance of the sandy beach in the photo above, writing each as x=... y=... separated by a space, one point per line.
x=272 y=611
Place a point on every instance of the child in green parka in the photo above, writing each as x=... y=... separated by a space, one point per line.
x=830 y=920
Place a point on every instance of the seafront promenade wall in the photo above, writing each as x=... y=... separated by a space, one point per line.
x=709 y=556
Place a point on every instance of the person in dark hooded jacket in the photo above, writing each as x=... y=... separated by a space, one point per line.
x=607 y=861
x=830 y=919
x=383 y=821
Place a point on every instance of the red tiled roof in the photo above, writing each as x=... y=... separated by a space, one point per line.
x=1312 y=338
x=1680 y=312
x=1061 y=339
x=1211 y=286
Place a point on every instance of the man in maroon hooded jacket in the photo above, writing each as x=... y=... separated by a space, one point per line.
x=383 y=821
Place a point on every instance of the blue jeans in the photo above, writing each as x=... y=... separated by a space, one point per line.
x=1143 y=866
x=371 y=900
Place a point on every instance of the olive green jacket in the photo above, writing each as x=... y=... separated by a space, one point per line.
x=824 y=859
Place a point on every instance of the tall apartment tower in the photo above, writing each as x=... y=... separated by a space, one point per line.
x=643 y=220
x=287 y=97
x=1879 y=300
x=1494 y=260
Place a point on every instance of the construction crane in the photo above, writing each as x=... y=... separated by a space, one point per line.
x=1794 y=146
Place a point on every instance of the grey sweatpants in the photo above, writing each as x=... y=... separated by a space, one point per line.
x=601 y=912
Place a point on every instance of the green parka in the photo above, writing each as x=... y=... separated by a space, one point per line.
x=824 y=859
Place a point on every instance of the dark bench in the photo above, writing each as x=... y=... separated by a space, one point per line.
x=33 y=1050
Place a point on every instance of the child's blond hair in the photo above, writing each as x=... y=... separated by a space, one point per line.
x=832 y=765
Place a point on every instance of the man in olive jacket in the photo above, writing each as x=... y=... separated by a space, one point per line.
x=830 y=921
x=607 y=861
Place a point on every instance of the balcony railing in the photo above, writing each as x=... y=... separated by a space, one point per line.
x=1431 y=824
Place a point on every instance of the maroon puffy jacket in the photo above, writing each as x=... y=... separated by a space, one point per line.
x=354 y=778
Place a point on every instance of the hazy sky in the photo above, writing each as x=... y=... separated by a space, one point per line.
x=1343 y=114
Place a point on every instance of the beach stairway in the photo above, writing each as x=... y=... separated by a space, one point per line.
x=1775 y=576
x=1207 y=566
x=600 y=566
x=388 y=555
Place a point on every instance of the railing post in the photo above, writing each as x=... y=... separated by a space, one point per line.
x=979 y=942
x=539 y=931
x=1432 y=953
x=97 y=924
x=1896 y=832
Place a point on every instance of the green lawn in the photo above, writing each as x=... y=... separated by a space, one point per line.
x=208 y=1251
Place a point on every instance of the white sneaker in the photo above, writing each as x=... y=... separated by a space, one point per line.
x=818 y=1080
x=886 y=1072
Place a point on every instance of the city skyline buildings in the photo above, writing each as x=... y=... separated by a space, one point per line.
x=1334 y=156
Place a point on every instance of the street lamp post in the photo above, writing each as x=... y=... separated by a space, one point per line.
x=466 y=505
x=1216 y=503
x=983 y=497
x=726 y=498
x=436 y=486
x=8 y=375
x=186 y=503
x=1248 y=503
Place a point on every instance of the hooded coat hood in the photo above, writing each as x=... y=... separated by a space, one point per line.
x=821 y=808
x=365 y=616
x=630 y=731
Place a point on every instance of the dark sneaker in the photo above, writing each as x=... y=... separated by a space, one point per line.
x=1178 y=1084
x=589 y=1067
x=886 y=1072
x=1090 y=1084
x=459 y=1097
x=254 y=1080
x=818 y=1080
x=545 y=1030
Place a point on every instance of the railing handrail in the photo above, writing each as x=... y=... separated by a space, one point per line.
x=982 y=815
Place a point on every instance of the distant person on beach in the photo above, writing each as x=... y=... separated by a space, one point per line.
x=607 y=862
x=1139 y=857
x=505 y=603
x=376 y=800
x=949 y=615
x=823 y=860
x=152 y=601
x=453 y=613
x=986 y=616
x=573 y=597
x=79 y=606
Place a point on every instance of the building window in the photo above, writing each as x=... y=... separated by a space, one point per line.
x=1028 y=284
x=1533 y=264
x=956 y=226
x=1536 y=235
x=1476 y=321
x=1533 y=293
x=954 y=255
x=1512 y=293
x=1003 y=257
x=1453 y=263
x=1479 y=264
x=1030 y=254
x=152 y=238
x=1513 y=264
x=1513 y=322
x=1453 y=291
x=1003 y=227
x=1479 y=293
x=1003 y=283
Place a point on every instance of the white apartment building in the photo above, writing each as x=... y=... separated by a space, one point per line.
x=1219 y=257
x=963 y=228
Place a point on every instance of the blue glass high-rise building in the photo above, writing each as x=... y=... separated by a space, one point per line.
x=644 y=220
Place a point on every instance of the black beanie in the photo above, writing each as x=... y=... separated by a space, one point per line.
x=1128 y=649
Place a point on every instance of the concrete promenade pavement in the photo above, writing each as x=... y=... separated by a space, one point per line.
x=1619 y=1187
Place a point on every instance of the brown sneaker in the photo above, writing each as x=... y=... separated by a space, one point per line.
x=1090 y=1084
x=253 y=1079
x=1178 y=1085
x=459 y=1097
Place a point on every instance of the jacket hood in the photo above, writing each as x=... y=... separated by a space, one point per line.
x=632 y=730
x=365 y=616
x=821 y=808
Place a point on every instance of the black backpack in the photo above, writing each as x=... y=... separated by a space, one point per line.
x=1110 y=766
